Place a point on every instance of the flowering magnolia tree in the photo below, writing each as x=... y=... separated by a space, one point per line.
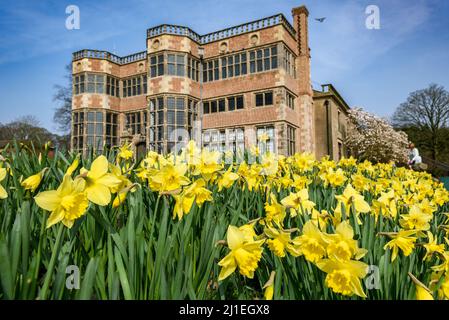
x=372 y=138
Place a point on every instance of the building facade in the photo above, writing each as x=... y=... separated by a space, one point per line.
x=331 y=121
x=239 y=83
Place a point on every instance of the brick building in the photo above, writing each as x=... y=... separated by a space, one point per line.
x=238 y=83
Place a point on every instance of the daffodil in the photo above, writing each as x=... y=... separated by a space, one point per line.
x=386 y=204
x=227 y=179
x=443 y=290
x=298 y=201
x=342 y=246
x=432 y=246
x=119 y=173
x=347 y=162
x=269 y=287
x=416 y=219
x=311 y=243
x=71 y=169
x=199 y=192
x=402 y=240
x=99 y=182
x=254 y=150
x=269 y=164
x=209 y=164
x=3 y=193
x=32 y=182
x=280 y=242
x=169 y=178
x=320 y=219
x=422 y=292
x=194 y=193
x=444 y=266
x=334 y=178
x=300 y=182
x=245 y=254
x=352 y=199
x=303 y=162
x=183 y=205
x=66 y=204
x=125 y=152
x=274 y=211
x=344 y=276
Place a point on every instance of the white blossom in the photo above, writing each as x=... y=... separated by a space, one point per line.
x=372 y=138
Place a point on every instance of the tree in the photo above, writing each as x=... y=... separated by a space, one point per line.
x=426 y=112
x=25 y=129
x=372 y=138
x=63 y=95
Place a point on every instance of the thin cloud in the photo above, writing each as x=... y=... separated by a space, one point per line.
x=346 y=45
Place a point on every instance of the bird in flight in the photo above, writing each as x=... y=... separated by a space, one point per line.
x=320 y=19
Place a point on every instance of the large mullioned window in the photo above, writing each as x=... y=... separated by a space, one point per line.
x=234 y=65
x=223 y=104
x=263 y=59
x=171 y=117
x=88 y=130
x=224 y=140
x=174 y=64
x=78 y=130
x=157 y=65
x=291 y=140
x=96 y=83
x=135 y=86
x=266 y=145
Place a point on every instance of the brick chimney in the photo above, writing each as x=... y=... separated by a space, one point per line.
x=305 y=92
x=300 y=24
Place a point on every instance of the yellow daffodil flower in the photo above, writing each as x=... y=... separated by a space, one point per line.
x=269 y=287
x=311 y=242
x=245 y=254
x=298 y=201
x=264 y=137
x=280 y=242
x=422 y=292
x=183 y=205
x=402 y=240
x=125 y=152
x=227 y=179
x=169 y=178
x=344 y=276
x=342 y=246
x=71 y=169
x=274 y=211
x=415 y=220
x=99 y=182
x=3 y=193
x=351 y=198
x=432 y=246
x=333 y=178
x=32 y=183
x=66 y=204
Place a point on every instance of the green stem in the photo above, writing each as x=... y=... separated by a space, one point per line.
x=54 y=255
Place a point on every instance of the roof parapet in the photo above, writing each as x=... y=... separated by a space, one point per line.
x=222 y=34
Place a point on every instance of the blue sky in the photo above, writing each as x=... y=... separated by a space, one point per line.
x=373 y=69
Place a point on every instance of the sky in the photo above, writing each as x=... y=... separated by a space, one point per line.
x=374 y=69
